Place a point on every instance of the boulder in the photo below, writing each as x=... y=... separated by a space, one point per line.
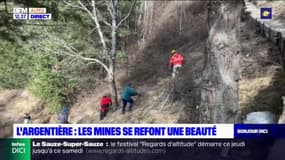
x=262 y=117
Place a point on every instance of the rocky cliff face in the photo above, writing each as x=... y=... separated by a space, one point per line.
x=220 y=77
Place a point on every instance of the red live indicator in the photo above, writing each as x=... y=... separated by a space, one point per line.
x=37 y=10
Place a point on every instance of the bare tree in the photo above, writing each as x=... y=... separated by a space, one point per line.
x=219 y=95
x=110 y=52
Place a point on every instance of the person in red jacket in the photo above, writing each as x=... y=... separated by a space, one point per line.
x=105 y=104
x=175 y=62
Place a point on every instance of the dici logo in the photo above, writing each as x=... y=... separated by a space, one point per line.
x=18 y=149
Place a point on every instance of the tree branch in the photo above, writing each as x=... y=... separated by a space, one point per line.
x=86 y=9
x=74 y=53
x=73 y=6
x=129 y=13
x=110 y=10
x=95 y=19
x=104 y=21
x=92 y=30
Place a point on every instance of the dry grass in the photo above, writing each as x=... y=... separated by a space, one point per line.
x=249 y=88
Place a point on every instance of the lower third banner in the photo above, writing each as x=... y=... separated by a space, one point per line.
x=142 y=149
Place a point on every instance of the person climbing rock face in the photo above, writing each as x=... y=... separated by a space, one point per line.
x=175 y=62
x=27 y=119
x=128 y=92
x=63 y=116
x=105 y=104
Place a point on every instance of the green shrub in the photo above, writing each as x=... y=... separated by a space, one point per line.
x=50 y=86
x=15 y=65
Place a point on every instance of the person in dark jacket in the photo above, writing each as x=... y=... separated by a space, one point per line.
x=27 y=119
x=128 y=92
x=105 y=104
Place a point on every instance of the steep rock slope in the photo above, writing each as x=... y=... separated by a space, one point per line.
x=166 y=25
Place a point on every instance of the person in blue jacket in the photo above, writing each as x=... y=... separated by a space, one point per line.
x=63 y=116
x=128 y=92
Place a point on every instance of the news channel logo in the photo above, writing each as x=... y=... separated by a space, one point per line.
x=31 y=14
x=266 y=13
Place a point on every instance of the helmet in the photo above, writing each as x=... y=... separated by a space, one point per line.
x=173 y=51
x=107 y=95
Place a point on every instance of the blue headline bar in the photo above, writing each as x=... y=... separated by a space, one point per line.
x=259 y=131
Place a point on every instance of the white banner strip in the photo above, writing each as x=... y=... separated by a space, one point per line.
x=201 y=131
